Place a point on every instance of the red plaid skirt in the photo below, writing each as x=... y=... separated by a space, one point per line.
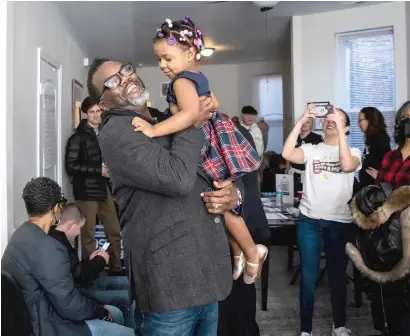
x=228 y=154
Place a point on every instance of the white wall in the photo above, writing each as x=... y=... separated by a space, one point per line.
x=231 y=83
x=38 y=24
x=314 y=49
x=6 y=166
x=408 y=47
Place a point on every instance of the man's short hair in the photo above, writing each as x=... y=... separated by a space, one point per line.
x=93 y=91
x=87 y=104
x=249 y=110
x=71 y=212
x=40 y=195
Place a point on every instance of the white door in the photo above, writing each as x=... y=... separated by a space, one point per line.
x=49 y=134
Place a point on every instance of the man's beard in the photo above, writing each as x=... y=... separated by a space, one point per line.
x=141 y=100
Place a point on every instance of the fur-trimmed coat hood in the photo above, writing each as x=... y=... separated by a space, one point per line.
x=398 y=201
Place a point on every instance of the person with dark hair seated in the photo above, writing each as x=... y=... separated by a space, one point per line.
x=383 y=254
x=111 y=290
x=276 y=166
x=41 y=267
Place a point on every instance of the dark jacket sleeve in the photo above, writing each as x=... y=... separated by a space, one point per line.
x=137 y=161
x=87 y=271
x=56 y=280
x=73 y=164
x=380 y=147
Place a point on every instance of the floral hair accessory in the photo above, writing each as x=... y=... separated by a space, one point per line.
x=197 y=42
x=160 y=34
x=169 y=22
x=171 y=41
x=187 y=19
x=198 y=32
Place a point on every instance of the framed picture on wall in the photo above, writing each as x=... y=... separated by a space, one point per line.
x=318 y=122
x=77 y=94
x=164 y=89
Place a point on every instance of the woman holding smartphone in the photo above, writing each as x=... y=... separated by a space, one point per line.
x=329 y=175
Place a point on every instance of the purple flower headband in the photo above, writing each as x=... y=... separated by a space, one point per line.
x=183 y=35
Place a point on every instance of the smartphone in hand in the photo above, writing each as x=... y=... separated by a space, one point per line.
x=105 y=246
x=323 y=110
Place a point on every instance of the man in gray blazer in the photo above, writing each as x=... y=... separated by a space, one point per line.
x=175 y=244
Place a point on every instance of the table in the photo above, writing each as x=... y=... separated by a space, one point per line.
x=283 y=233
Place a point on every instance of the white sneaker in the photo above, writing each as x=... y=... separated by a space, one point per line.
x=305 y=334
x=342 y=331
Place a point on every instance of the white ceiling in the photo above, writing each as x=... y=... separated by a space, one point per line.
x=124 y=30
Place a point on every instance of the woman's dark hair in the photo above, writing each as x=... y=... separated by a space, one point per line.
x=275 y=160
x=87 y=104
x=399 y=136
x=377 y=124
x=181 y=32
x=40 y=195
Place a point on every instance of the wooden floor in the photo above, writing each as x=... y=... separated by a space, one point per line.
x=282 y=316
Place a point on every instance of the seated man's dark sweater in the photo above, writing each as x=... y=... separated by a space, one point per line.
x=84 y=272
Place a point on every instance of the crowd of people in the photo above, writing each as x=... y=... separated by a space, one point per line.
x=187 y=207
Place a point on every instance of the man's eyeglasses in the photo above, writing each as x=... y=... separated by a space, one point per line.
x=115 y=80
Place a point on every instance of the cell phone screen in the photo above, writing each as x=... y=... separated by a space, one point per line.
x=323 y=110
x=105 y=246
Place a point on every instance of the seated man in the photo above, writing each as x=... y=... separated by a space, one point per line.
x=109 y=290
x=41 y=267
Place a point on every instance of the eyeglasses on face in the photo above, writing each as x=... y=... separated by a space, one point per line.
x=115 y=80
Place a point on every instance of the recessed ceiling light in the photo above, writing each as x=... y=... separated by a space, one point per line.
x=140 y=65
x=207 y=52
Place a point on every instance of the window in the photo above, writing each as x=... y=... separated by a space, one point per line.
x=366 y=77
x=268 y=101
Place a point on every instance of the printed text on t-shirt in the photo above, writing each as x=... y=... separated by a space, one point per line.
x=332 y=167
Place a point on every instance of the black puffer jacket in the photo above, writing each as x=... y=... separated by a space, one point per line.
x=83 y=163
x=383 y=246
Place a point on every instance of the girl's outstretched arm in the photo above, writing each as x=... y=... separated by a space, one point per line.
x=188 y=105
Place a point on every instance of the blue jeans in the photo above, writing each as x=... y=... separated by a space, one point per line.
x=103 y=328
x=313 y=235
x=196 y=321
x=114 y=291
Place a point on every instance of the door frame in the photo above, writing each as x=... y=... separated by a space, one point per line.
x=44 y=56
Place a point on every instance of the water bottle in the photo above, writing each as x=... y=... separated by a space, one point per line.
x=279 y=195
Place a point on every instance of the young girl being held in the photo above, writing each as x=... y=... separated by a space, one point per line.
x=177 y=46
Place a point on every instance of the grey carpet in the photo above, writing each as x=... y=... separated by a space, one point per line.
x=282 y=316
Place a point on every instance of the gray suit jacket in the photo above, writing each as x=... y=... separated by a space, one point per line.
x=40 y=265
x=177 y=253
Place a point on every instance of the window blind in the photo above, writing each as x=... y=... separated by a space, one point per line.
x=368 y=66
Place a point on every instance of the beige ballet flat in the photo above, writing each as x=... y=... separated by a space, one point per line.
x=250 y=278
x=238 y=270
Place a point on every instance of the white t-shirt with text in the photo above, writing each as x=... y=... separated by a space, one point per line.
x=326 y=188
